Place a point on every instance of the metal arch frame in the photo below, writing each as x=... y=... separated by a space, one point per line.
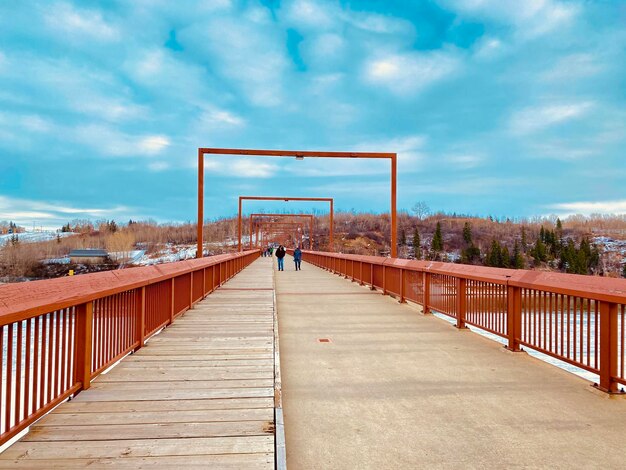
x=258 y=215
x=299 y=154
x=282 y=228
x=330 y=200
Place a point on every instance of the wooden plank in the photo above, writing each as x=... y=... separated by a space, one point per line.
x=141 y=448
x=156 y=417
x=169 y=394
x=148 y=431
x=164 y=405
x=182 y=362
x=174 y=385
x=221 y=461
x=187 y=374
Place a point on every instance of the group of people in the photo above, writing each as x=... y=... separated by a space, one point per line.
x=280 y=256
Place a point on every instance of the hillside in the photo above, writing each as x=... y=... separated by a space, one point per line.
x=583 y=245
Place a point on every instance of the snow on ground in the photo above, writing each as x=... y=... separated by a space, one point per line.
x=33 y=237
x=169 y=254
x=133 y=256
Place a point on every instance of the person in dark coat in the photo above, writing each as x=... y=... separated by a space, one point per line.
x=297 y=258
x=280 y=255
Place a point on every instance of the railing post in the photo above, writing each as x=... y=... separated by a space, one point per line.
x=172 y=290
x=204 y=291
x=190 y=290
x=384 y=280
x=372 y=287
x=84 y=322
x=361 y=273
x=608 y=347
x=140 y=317
x=514 y=317
x=461 y=302
x=426 y=307
x=402 y=281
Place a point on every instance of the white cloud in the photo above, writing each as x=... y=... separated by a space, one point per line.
x=405 y=74
x=112 y=142
x=574 y=66
x=153 y=144
x=248 y=56
x=533 y=119
x=158 y=166
x=590 y=207
x=465 y=161
x=530 y=18
x=488 y=48
x=64 y=18
x=26 y=211
x=248 y=168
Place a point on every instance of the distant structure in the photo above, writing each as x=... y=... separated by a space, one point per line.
x=88 y=256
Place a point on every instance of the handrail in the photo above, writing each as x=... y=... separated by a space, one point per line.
x=57 y=335
x=28 y=299
x=578 y=319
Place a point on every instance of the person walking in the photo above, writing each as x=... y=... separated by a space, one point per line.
x=297 y=258
x=280 y=255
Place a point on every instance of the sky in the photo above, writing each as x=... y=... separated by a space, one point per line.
x=495 y=107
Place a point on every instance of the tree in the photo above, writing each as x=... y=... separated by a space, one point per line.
x=517 y=260
x=421 y=210
x=624 y=271
x=467 y=233
x=524 y=240
x=112 y=226
x=437 y=243
x=505 y=258
x=402 y=238
x=417 y=242
x=539 y=252
x=470 y=252
x=494 y=256
x=559 y=228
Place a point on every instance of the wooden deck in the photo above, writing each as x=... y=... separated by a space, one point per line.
x=201 y=394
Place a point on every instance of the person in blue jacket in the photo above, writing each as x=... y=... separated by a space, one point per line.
x=297 y=258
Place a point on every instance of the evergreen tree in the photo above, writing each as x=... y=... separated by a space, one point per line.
x=58 y=238
x=437 y=243
x=624 y=271
x=470 y=252
x=542 y=234
x=112 y=226
x=524 y=240
x=539 y=252
x=494 y=256
x=417 y=249
x=517 y=260
x=559 y=228
x=467 y=233
x=505 y=258
x=402 y=239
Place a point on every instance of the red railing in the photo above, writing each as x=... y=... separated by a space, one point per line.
x=58 y=335
x=580 y=320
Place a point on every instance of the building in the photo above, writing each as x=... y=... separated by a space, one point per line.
x=88 y=256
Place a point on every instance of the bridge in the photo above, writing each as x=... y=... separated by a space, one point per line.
x=179 y=364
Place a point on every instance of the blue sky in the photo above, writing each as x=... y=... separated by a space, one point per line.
x=500 y=107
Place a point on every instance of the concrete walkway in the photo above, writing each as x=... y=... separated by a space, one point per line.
x=396 y=389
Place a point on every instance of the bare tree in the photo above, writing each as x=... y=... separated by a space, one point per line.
x=421 y=210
